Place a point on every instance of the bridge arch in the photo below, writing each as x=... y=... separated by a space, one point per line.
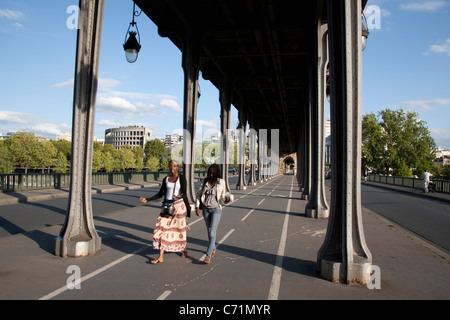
x=288 y=164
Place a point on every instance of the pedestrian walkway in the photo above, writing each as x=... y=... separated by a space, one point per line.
x=267 y=250
x=46 y=194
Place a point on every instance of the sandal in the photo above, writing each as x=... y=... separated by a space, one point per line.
x=156 y=261
x=184 y=254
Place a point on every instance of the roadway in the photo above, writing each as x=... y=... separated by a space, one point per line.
x=426 y=217
x=267 y=250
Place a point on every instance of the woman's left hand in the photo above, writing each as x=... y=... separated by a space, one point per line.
x=142 y=200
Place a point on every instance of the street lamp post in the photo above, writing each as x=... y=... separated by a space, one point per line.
x=132 y=46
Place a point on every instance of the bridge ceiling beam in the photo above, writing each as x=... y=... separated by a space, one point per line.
x=263 y=47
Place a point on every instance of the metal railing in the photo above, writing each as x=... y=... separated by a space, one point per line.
x=34 y=181
x=417 y=183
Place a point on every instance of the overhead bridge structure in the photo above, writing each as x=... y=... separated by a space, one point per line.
x=275 y=62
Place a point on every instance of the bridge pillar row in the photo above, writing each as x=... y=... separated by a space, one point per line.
x=307 y=154
x=241 y=184
x=78 y=236
x=191 y=67
x=317 y=206
x=225 y=107
x=344 y=255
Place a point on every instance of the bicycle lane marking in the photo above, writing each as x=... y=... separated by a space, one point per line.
x=277 y=270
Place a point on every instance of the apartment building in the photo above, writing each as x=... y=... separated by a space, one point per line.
x=131 y=135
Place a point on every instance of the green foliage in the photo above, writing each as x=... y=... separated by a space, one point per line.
x=152 y=163
x=6 y=158
x=396 y=142
x=27 y=151
x=154 y=148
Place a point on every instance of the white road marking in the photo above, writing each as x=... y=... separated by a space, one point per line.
x=164 y=295
x=277 y=270
x=92 y=274
x=220 y=242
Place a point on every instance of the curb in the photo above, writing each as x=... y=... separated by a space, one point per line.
x=47 y=194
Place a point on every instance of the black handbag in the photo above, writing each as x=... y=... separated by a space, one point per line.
x=166 y=209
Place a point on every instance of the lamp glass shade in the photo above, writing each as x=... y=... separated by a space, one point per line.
x=132 y=48
x=131 y=55
x=364 y=42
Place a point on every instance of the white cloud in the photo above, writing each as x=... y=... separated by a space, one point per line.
x=50 y=128
x=426 y=105
x=441 y=136
x=171 y=104
x=65 y=85
x=12 y=117
x=439 y=48
x=107 y=83
x=11 y=14
x=428 y=6
x=108 y=123
x=116 y=105
x=103 y=84
x=213 y=124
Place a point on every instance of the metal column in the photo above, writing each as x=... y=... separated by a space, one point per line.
x=78 y=236
x=344 y=256
x=191 y=64
x=225 y=107
x=317 y=206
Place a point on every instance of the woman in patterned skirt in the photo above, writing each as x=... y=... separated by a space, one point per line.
x=170 y=231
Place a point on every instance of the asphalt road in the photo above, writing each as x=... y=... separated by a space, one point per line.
x=429 y=219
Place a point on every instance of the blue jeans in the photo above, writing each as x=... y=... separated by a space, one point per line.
x=212 y=218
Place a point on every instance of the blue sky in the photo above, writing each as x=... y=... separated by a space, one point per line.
x=406 y=65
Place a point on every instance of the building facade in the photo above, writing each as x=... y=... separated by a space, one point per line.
x=133 y=136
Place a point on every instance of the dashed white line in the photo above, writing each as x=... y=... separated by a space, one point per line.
x=221 y=241
x=246 y=216
x=164 y=295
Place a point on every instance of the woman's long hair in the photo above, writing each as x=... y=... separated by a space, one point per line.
x=215 y=170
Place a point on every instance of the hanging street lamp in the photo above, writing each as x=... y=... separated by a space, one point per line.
x=132 y=46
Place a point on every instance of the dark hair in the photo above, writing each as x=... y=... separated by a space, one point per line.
x=215 y=170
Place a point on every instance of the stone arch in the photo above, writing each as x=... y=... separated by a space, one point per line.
x=288 y=164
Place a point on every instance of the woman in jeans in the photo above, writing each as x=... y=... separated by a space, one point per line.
x=210 y=197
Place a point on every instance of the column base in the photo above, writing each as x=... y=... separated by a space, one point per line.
x=317 y=213
x=79 y=246
x=336 y=272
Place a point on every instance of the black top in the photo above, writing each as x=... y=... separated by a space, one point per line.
x=183 y=186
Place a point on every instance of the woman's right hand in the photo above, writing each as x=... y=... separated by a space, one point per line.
x=142 y=200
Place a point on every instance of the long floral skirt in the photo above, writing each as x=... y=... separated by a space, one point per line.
x=170 y=233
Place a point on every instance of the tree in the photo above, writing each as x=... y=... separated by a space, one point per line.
x=6 y=158
x=65 y=147
x=125 y=158
x=24 y=149
x=138 y=158
x=60 y=164
x=46 y=155
x=108 y=153
x=152 y=163
x=396 y=142
x=154 y=148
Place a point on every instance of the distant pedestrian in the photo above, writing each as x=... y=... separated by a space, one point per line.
x=426 y=180
x=170 y=231
x=210 y=197
x=365 y=175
